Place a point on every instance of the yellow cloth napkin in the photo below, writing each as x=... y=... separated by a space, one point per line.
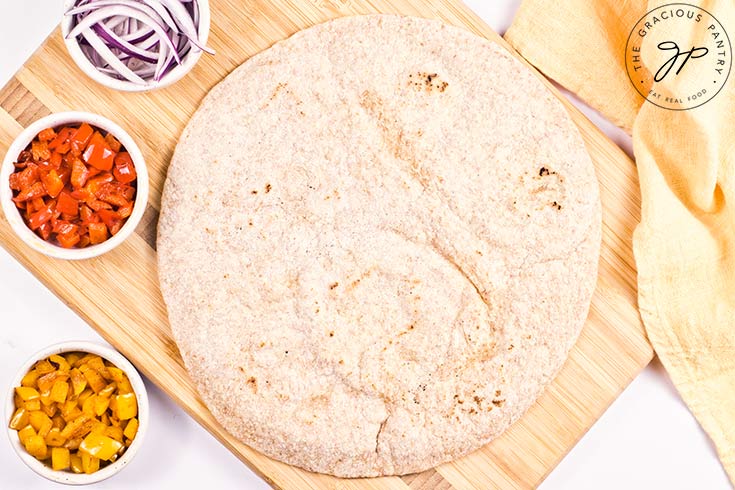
x=685 y=244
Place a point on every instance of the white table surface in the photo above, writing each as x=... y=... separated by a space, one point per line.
x=647 y=438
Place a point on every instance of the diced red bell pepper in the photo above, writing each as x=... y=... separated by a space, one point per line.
x=44 y=231
x=67 y=204
x=40 y=151
x=41 y=216
x=79 y=173
x=68 y=241
x=47 y=134
x=80 y=138
x=36 y=203
x=97 y=233
x=125 y=211
x=93 y=184
x=98 y=205
x=61 y=144
x=124 y=170
x=116 y=227
x=87 y=215
x=35 y=190
x=52 y=183
x=112 y=142
x=115 y=193
x=65 y=228
x=25 y=178
x=108 y=217
x=74 y=186
x=98 y=153
x=55 y=160
x=64 y=172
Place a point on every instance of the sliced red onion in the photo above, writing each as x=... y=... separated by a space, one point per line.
x=184 y=20
x=113 y=39
x=136 y=40
x=109 y=56
x=138 y=35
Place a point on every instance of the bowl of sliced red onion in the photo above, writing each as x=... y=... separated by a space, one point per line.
x=136 y=45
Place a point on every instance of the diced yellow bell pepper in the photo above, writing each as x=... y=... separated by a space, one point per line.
x=40 y=422
x=46 y=382
x=32 y=405
x=122 y=381
x=115 y=373
x=88 y=406
x=46 y=398
x=36 y=447
x=96 y=382
x=25 y=433
x=72 y=357
x=100 y=446
x=60 y=458
x=73 y=444
x=90 y=464
x=98 y=365
x=108 y=390
x=70 y=411
x=74 y=410
x=61 y=362
x=78 y=427
x=98 y=428
x=76 y=463
x=19 y=419
x=115 y=433
x=124 y=386
x=78 y=381
x=84 y=359
x=59 y=391
x=27 y=393
x=30 y=378
x=100 y=405
x=126 y=406
x=54 y=438
x=84 y=395
x=49 y=410
x=131 y=429
x=44 y=366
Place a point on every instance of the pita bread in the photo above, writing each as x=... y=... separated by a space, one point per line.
x=378 y=242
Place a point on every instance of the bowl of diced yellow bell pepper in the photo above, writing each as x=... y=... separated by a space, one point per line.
x=77 y=412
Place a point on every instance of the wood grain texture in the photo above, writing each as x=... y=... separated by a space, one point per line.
x=610 y=352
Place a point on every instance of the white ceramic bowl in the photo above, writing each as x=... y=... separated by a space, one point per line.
x=174 y=75
x=68 y=477
x=16 y=220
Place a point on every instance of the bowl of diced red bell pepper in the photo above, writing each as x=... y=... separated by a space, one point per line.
x=73 y=185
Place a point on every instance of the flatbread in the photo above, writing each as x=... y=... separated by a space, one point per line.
x=378 y=242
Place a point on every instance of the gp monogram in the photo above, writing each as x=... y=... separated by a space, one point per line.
x=678 y=56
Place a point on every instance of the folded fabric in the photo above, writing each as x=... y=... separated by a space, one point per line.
x=685 y=244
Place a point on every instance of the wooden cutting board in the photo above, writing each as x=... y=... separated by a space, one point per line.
x=118 y=293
